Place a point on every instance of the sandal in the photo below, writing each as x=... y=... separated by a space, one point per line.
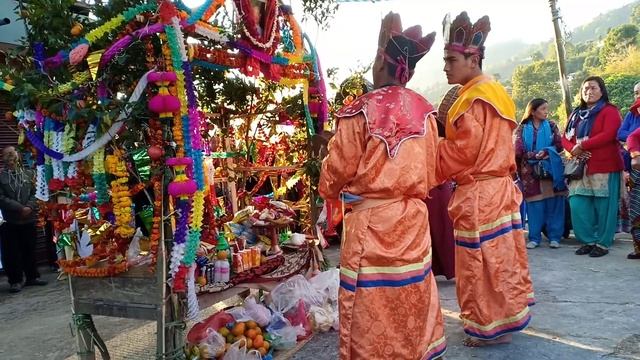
x=585 y=249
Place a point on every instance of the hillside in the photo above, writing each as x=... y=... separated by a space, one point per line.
x=503 y=58
x=599 y=26
x=512 y=54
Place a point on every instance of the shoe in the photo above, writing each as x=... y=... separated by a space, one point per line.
x=36 y=282
x=633 y=256
x=532 y=245
x=585 y=249
x=598 y=252
x=15 y=288
x=554 y=244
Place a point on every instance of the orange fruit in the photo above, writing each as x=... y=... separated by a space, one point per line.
x=266 y=345
x=241 y=338
x=249 y=344
x=238 y=329
x=262 y=351
x=76 y=29
x=258 y=342
x=252 y=324
x=251 y=333
x=259 y=331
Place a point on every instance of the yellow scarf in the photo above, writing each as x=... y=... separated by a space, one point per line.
x=480 y=88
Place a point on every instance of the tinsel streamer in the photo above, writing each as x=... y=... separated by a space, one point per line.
x=39 y=118
x=198 y=169
x=44 y=144
x=180 y=39
x=58 y=169
x=115 y=127
x=142 y=163
x=6 y=87
x=42 y=188
x=193 y=308
x=38 y=55
x=210 y=32
x=180 y=235
x=199 y=12
x=192 y=103
x=177 y=253
x=193 y=241
x=100 y=177
x=38 y=142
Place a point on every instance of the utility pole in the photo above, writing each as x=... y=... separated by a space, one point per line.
x=555 y=17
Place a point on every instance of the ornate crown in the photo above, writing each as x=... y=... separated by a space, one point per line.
x=463 y=37
x=391 y=33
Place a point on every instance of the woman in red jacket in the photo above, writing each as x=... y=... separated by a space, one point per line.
x=591 y=135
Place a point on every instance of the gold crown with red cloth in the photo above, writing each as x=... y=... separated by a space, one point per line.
x=464 y=37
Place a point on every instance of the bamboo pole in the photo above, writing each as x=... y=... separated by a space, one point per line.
x=564 y=85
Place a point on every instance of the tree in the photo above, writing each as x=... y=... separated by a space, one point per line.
x=620 y=89
x=617 y=42
x=537 y=56
x=627 y=65
x=536 y=80
x=635 y=15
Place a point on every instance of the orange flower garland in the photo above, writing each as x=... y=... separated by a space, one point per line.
x=177 y=119
x=120 y=195
x=155 y=139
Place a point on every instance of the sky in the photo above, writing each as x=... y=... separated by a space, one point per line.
x=353 y=33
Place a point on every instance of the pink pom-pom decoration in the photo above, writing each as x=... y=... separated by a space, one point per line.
x=183 y=161
x=182 y=188
x=78 y=54
x=160 y=76
x=164 y=104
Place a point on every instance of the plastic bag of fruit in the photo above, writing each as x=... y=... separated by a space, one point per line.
x=286 y=295
x=237 y=351
x=298 y=316
x=327 y=283
x=257 y=312
x=213 y=346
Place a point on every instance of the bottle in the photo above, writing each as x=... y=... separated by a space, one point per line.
x=221 y=265
x=221 y=270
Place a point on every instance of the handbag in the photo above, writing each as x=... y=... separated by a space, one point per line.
x=574 y=169
x=539 y=172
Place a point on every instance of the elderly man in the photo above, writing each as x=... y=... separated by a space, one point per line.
x=18 y=234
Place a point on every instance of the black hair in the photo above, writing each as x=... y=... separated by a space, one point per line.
x=603 y=89
x=481 y=56
x=532 y=106
x=400 y=46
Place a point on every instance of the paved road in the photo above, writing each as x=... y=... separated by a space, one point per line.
x=586 y=309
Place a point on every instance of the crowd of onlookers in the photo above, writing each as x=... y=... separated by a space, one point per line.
x=582 y=176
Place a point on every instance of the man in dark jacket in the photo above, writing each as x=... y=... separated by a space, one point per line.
x=18 y=234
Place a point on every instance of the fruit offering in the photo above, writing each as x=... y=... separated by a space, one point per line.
x=247 y=331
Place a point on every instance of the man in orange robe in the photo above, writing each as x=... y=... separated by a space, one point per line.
x=382 y=158
x=492 y=273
